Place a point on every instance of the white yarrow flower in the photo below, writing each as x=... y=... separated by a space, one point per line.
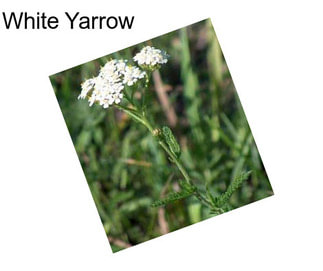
x=132 y=75
x=151 y=57
x=106 y=89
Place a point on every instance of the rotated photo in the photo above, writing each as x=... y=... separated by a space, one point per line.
x=161 y=135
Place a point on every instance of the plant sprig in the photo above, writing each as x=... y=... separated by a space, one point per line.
x=114 y=82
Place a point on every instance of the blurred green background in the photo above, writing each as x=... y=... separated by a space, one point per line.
x=126 y=169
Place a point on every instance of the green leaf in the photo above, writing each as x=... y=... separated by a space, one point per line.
x=216 y=211
x=237 y=182
x=171 y=198
x=209 y=195
x=187 y=187
x=171 y=141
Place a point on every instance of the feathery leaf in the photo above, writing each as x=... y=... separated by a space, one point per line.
x=171 y=198
x=237 y=182
x=171 y=141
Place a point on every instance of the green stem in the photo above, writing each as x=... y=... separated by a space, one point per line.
x=143 y=120
x=176 y=162
x=134 y=114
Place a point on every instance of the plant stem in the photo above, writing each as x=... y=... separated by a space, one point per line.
x=143 y=120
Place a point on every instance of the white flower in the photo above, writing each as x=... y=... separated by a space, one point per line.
x=151 y=57
x=107 y=87
x=92 y=99
x=121 y=65
x=86 y=87
x=132 y=75
x=117 y=97
x=109 y=72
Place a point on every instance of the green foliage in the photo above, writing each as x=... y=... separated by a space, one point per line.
x=171 y=198
x=237 y=182
x=191 y=88
x=171 y=141
x=187 y=190
x=187 y=187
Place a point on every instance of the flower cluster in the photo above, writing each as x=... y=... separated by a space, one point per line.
x=106 y=88
x=151 y=58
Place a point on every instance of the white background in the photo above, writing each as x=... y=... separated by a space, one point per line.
x=48 y=220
